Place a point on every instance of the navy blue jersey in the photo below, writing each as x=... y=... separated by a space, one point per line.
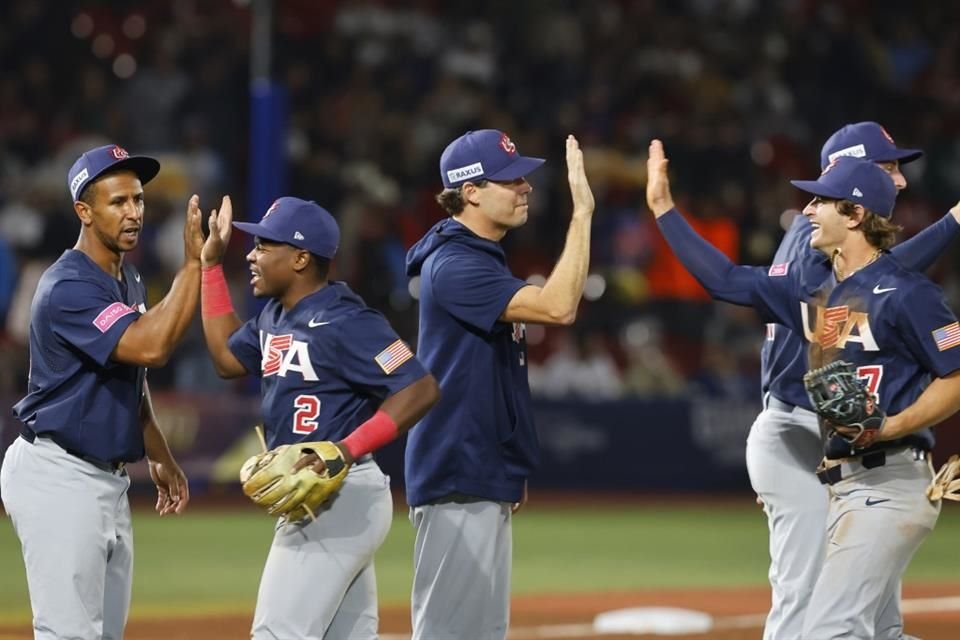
x=479 y=439
x=783 y=356
x=75 y=392
x=892 y=323
x=325 y=366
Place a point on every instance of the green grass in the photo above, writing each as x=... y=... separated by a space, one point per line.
x=209 y=561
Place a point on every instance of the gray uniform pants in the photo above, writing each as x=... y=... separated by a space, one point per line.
x=878 y=519
x=783 y=451
x=319 y=582
x=461 y=572
x=73 y=521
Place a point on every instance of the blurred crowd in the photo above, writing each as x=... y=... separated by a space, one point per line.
x=742 y=92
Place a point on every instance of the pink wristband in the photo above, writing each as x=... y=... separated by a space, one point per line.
x=214 y=294
x=371 y=435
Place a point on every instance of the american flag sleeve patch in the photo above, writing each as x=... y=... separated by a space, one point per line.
x=947 y=337
x=393 y=356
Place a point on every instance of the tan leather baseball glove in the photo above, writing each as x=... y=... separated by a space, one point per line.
x=270 y=481
x=946 y=484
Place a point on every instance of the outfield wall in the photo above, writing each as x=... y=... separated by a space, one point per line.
x=689 y=444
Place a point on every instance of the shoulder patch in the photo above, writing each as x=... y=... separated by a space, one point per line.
x=777 y=270
x=109 y=316
x=393 y=356
x=947 y=337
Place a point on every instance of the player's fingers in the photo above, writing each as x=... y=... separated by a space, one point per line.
x=184 y=494
x=193 y=207
x=226 y=212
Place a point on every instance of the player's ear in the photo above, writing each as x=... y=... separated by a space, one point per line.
x=301 y=260
x=84 y=212
x=856 y=219
x=470 y=193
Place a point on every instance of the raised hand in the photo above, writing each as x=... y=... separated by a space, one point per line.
x=220 y=228
x=192 y=233
x=583 y=203
x=659 y=198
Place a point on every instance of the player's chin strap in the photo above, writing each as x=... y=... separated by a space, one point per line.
x=946 y=482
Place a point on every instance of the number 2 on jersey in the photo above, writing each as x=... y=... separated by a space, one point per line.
x=872 y=374
x=304 y=418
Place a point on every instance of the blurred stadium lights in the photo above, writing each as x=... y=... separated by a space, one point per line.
x=82 y=26
x=787 y=218
x=594 y=287
x=413 y=287
x=134 y=26
x=124 y=66
x=103 y=45
x=761 y=152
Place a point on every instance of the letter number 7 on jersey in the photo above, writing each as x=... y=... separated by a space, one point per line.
x=304 y=418
x=872 y=374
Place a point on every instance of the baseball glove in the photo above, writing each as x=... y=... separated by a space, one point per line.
x=841 y=399
x=269 y=479
x=946 y=484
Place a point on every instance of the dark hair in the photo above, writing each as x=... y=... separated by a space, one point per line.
x=880 y=231
x=321 y=265
x=452 y=199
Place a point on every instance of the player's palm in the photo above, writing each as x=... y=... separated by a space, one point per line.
x=583 y=202
x=220 y=223
x=659 y=198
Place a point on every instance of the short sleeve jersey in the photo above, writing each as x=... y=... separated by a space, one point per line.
x=325 y=366
x=87 y=402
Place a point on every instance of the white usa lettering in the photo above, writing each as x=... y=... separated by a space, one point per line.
x=833 y=327
x=282 y=354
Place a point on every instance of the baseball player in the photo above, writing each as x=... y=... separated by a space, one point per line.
x=87 y=412
x=468 y=460
x=855 y=302
x=333 y=369
x=784 y=442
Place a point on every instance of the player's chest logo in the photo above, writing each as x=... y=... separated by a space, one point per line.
x=835 y=327
x=282 y=354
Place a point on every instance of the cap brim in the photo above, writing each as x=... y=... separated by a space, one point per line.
x=906 y=155
x=258 y=230
x=816 y=188
x=145 y=167
x=519 y=168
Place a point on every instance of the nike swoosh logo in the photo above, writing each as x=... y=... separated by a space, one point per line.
x=871 y=501
x=313 y=323
x=878 y=290
x=136 y=277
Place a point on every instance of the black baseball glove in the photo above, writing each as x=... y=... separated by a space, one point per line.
x=841 y=399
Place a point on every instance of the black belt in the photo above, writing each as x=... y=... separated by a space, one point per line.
x=871 y=460
x=110 y=467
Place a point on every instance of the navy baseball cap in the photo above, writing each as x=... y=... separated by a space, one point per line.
x=301 y=223
x=867 y=140
x=857 y=180
x=95 y=162
x=486 y=154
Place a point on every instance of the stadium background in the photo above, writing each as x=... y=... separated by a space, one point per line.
x=643 y=406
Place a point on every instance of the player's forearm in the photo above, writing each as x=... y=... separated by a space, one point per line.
x=154 y=442
x=722 y=279
x=396 y=415
x=923 y=249
x=168 y=321
x=561 y=293
x=938 y=402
